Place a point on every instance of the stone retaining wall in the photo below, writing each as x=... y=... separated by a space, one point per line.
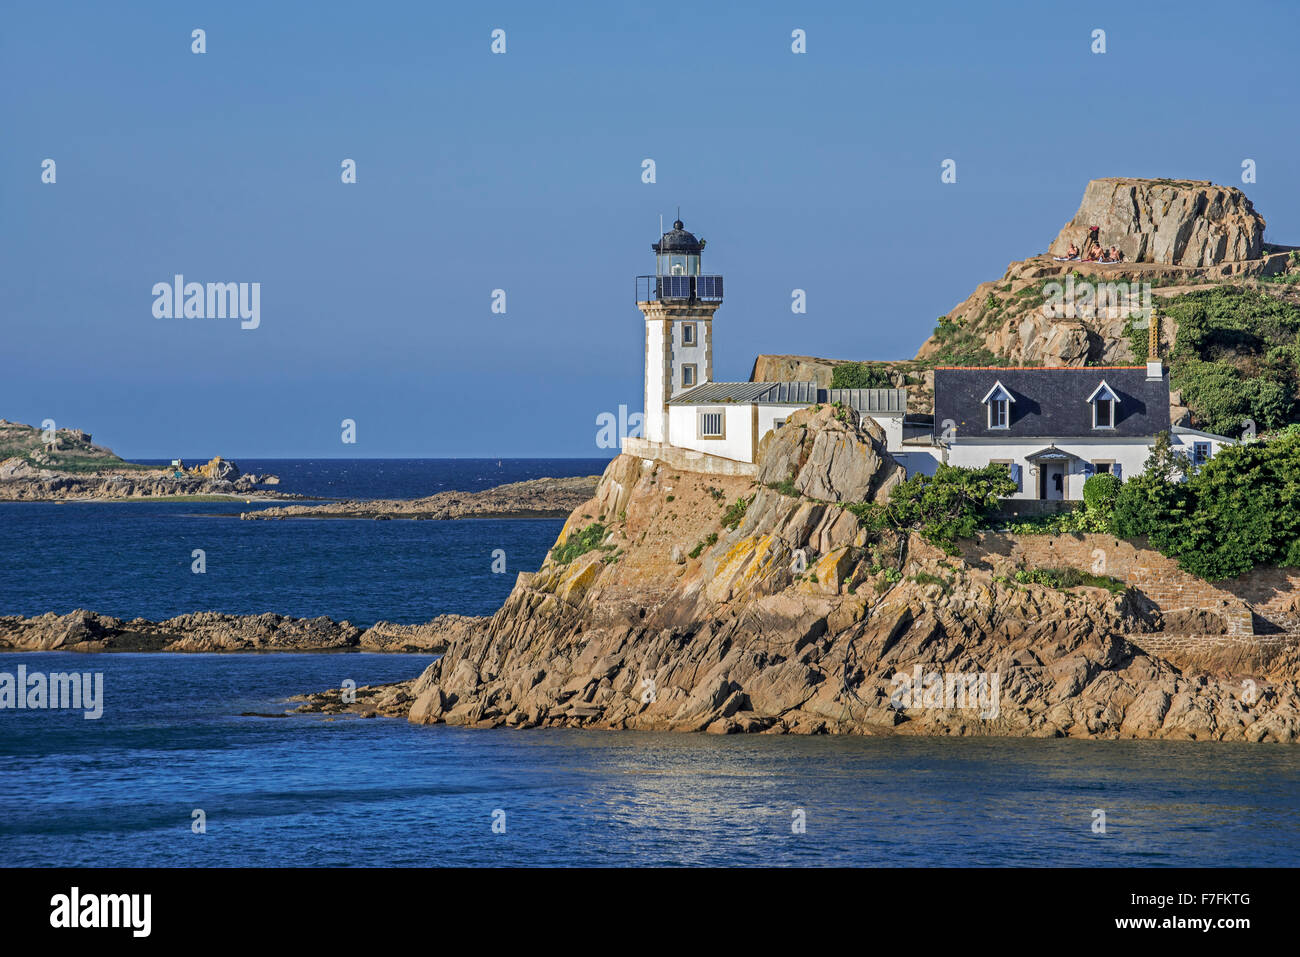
x=1240 y=653
x=688 y=459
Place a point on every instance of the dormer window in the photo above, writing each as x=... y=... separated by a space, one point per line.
x=1104 y=403
x=998 y=400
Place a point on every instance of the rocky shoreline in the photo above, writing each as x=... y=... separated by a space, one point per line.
x=86 y=631
x=738 y=634
x=60 y=465
x=535 y=498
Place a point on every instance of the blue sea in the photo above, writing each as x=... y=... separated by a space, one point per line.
x=174 y=738
x=135 y=559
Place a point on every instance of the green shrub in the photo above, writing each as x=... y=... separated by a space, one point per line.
x=926 y=578
x=1156 y=501
x=1237 y=356
x=1234 y=513
x=1068 y=577
x=1223 y=398
x=785 y=487
x=942 y=508
x=579 y=543
x=859 y=375
x=1099 y=492
x=707 y=542
x=735 y=512
x=1069 y=522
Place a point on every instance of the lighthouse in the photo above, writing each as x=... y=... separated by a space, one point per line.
x=678 y=303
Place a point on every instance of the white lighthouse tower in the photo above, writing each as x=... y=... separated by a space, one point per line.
x=678 y=304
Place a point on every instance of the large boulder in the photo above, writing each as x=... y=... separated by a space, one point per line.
x=220 y=470
x=830 y=453
x=771 y=368
x=17 y=469
x=1178 y=222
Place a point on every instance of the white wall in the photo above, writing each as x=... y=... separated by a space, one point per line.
x=739 y=442
x=1131 y=454
x=655 y=388
x=697 y=354
x=918 y=462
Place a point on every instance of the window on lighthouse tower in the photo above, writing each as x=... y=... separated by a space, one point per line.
x=679 y=264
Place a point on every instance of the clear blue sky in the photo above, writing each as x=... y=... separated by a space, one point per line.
x=522 y=171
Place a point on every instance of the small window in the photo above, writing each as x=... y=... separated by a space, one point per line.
x=688 y=333
x=712 y=424
x=1103 y=400
x=688 y=375
x=778 y=424
x=1200 y=453
x=1103 y=414
x=999 y=400
x=997 y=413
x=1102 y=468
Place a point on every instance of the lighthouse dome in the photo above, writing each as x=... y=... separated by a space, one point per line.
x=678 y=240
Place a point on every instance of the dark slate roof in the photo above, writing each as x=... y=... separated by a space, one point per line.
x=762 y=393
x=678 y=240
x=1050 y=402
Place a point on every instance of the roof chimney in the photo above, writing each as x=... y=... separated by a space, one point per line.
x=1155 y=368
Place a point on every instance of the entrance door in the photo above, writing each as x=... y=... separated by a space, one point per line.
x=1051 y=482
x=1056 y=482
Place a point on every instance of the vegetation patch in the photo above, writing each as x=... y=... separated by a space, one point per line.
x=1237 y=357
x=860 y=375
x=707 y=542
x=735 y=512
x=579 y=543
x=1094 y=515
x=1067 y=577
x=942 y=508
x=1234 y=513
x=785 y=487
x=926 y=578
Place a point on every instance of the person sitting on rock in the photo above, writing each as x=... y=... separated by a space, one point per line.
x=1072 y=252
x=1116 y=254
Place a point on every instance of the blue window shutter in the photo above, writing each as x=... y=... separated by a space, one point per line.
x=1015 y=476
x=1088 y=468
x=1116 y=471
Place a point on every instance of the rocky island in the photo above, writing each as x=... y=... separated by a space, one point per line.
x=534 y=498
x=777 y=602
x=85 y=631
x=684 y=608
x=42 y=465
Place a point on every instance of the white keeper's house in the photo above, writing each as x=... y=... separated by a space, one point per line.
x=1052 y=427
